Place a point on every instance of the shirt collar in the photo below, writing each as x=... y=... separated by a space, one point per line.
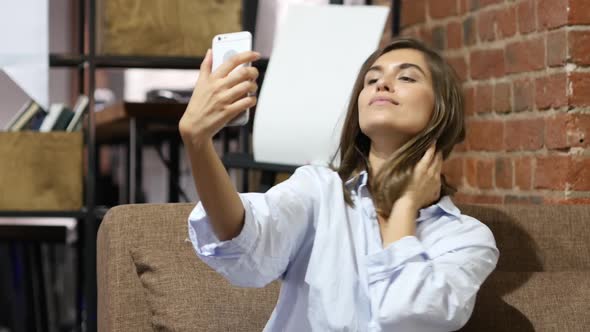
x=358 y=180
x=445 y=204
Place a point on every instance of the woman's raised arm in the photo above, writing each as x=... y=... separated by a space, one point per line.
x=218 y=97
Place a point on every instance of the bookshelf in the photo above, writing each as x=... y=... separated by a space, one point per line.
x=86 y=62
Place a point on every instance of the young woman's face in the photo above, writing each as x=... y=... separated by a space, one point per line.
x=397 y=98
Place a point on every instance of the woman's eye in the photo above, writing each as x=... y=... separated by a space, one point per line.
x=407 y=79
x=372 y=81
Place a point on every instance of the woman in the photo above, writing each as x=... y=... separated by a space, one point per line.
x=373 y=245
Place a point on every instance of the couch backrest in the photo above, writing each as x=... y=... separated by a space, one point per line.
x=538 y=237
x=150 y=278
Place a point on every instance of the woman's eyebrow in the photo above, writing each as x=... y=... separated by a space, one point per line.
x=375 y=68
x=407 y=65
x=402 y=66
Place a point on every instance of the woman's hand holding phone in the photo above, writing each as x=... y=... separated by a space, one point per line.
x=218 y=97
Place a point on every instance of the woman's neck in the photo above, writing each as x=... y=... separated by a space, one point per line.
x=380 y=152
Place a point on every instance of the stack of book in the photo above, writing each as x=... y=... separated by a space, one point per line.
x=59 y=117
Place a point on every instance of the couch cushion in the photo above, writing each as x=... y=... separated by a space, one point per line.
x=539 y=301
x=184 y=294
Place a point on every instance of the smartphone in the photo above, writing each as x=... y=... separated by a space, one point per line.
x=224 y=47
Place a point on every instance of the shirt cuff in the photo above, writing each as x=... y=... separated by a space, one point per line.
x=386 y=262
x=206 y=243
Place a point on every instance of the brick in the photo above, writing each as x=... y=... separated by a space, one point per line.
x=454 y=35
x=413 y=12
x=579 y=12
x=526 y=55
x=552 y=172
x=469 y=31
x=460 y=147
x=579 y=47
x=566 y=201
x=526 y=16
x=483 y=98
x=523 y=173
x=567 y=130
x=439 y=37
x=523 y=200
x=580 y=174
x=524 y=134
x=506 y=22
x=502 y=100
x=459 y=65
x=442 y=8
x=470 y=169
x=469 y=96
x=579 y=84
x=426 y=35
x=486 y=135
x=551 y=91
x=503 y=174
x=557 y=48
x=484 y=3
x=552 y=13
x=463 y=6
x=485 y=25
x=453 y=171
x=485 y=174
x=524 y=94
x=477 y=199
x=487 y=63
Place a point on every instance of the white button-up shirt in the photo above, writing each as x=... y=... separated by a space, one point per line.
x=335 y=273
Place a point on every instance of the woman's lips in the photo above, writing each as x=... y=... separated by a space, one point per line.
x=382 y=101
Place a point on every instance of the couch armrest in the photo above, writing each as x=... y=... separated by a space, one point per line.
x=122 y=304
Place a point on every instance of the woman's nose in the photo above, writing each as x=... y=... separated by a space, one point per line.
x=382 y=85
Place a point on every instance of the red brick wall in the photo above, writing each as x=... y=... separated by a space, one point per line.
x=526 y=71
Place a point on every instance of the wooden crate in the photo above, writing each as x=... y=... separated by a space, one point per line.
x=41 y=171
x=164 y=27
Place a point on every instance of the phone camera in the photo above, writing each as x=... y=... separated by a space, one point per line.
x=218 y=38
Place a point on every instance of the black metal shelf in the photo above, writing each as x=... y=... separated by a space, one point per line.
x=43 y=214
x=124 y=61
x=99 y=212
x=37 y=233
x=246 y=161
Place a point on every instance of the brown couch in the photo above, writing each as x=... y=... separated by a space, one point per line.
x=149 y=278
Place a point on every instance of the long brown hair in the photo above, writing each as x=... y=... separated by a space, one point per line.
x=446 y=126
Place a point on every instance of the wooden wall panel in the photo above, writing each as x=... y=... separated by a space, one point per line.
x=164 y=27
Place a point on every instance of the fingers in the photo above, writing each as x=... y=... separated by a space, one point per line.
x=238 y=91
x=205 y=69
x=437 y=163
x=233 y=110
x=236 y=60
x=424 y=163
x=240 y=75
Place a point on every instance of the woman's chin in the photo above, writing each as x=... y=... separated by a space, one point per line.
x=380 y=128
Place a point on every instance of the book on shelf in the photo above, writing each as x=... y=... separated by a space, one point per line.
x=28 y=115
x=80 y=109
x=58 y=118
x=18 y=115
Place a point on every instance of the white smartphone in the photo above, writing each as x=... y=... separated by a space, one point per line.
x=224 y=47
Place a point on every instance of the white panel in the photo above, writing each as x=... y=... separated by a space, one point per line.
x=316 y=58
x=24 y=54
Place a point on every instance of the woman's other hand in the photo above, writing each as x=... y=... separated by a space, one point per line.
x=218 y=97
x=425 y=185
